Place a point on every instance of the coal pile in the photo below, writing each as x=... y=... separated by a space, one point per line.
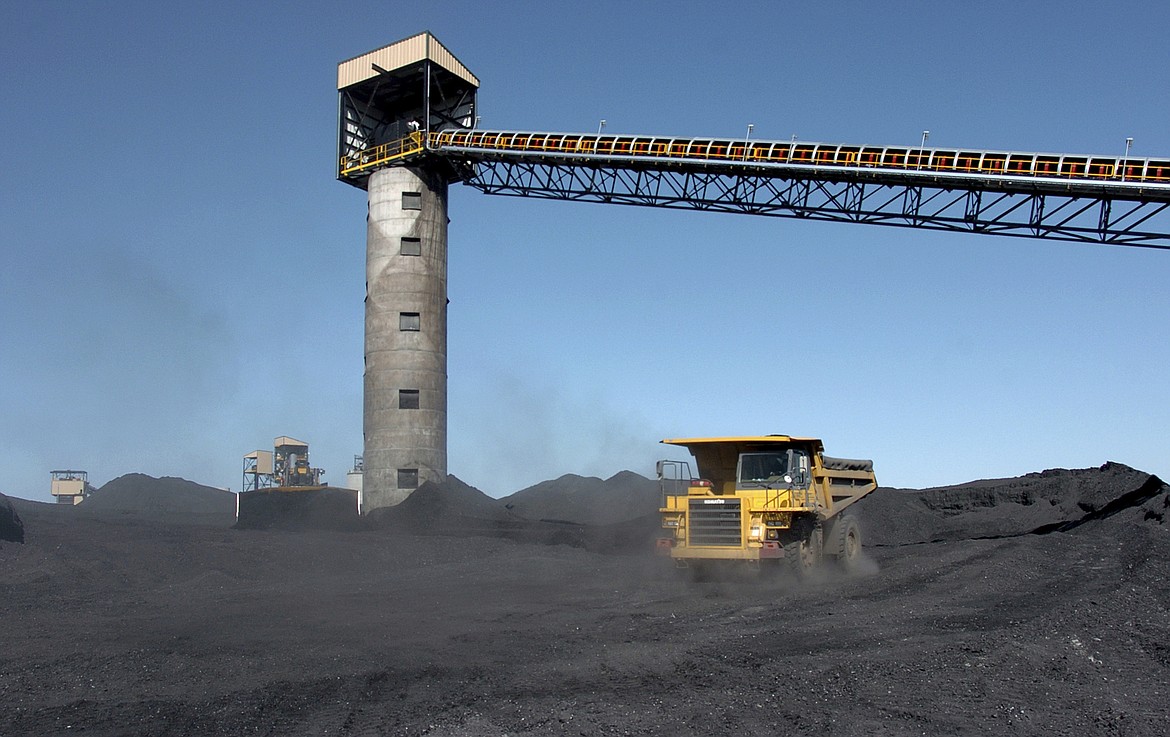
x=169 y=499
x=11 y=526
x=1037 y=503
x=615 y=515
x=588 y=500
x=1034 y=605
x=588 y=508
x=316 y=509
x=455 y=509
x=451 y=504
x=443 y=508
x=618 y=515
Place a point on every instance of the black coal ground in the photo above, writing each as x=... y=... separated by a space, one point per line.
x=1051 y=617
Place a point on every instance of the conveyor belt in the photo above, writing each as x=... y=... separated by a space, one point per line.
x=1098 y=199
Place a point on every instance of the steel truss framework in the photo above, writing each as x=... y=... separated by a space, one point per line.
x=1077 y=216
x=389 y=114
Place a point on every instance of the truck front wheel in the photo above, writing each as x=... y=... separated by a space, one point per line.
x=803 y=555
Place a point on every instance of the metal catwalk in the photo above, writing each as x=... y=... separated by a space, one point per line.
x=1095 y=199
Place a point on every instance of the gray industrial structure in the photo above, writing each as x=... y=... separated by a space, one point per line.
x=398 y=95
x=407 y=130
x=406 y=334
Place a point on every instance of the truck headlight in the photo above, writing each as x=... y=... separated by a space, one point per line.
x=754 y=534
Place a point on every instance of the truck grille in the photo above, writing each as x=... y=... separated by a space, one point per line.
x=715 y=522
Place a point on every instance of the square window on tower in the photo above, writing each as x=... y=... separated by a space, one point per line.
x=408 y=478
x=412 y=200
x=411 y=247
x=408 y=399
x=409 y=321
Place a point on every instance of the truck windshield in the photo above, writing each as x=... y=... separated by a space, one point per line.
x=763 y=469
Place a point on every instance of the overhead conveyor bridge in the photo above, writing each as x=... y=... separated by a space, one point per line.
x=1098 y=199
x=407 y=128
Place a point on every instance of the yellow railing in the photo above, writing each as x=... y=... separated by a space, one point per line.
x=372 y=158
x=820 y=155
x=1001 y=163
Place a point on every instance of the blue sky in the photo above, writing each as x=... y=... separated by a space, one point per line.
x=183 y=277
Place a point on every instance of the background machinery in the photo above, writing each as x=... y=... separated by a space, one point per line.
x=70 y=487
x=284 y=468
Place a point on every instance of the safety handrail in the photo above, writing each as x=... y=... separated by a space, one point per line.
x=382 y=154
x=903 y=159
x=1081 y=167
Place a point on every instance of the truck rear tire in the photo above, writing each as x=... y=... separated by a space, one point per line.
x=848 y=534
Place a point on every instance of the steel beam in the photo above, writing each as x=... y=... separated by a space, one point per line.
x=1071 y=217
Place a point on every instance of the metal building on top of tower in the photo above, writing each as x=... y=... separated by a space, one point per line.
x=412 y=86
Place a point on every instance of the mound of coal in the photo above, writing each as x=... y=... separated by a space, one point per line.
x=140 y=629
x=450 y=507
x=318 y=509
x=1056 y=499
x=455 y=509
x=588 y=500
x=11 y=526
x=168 y=499
x=630 y=537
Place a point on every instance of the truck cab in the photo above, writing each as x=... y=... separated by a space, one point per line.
x=761 y=499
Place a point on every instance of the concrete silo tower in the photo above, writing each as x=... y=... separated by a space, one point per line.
x=390 y=101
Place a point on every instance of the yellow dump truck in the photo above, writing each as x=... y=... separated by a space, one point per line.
x=764 y=500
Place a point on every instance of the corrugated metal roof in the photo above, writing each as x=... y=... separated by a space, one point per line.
x=400 y=54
